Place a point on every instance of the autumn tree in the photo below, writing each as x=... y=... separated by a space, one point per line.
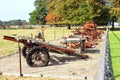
x=115 y=3
x=69 y=12
x=52 y=18
x=115 y=11
x=100 y=12
x=79 y=11
x=38 y=15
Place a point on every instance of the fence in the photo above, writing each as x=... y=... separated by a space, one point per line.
x=105 y=70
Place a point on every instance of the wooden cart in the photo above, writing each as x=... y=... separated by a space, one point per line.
x=36 y=51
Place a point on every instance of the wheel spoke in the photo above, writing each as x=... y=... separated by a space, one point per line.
x=33 y=60
x=37 y=63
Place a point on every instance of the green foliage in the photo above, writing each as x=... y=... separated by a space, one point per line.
x=115 y=12
x=12 y=22
x=34 y=18
x=99 y=11
x=79 y=11
x=86 y=12
x=1 y=23
x=70 y=11
x=115 y=3
x=38 y=15
x=115 y=9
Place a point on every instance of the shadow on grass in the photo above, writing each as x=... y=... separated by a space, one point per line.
x=115 y=56
x=116 y=35
x=117 y=76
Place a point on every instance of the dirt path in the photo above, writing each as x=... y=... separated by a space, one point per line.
x=62 y=66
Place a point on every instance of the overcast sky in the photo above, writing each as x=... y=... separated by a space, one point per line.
x=16 y=9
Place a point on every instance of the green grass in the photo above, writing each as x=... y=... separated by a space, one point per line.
x=114 y=37
x=7 y=47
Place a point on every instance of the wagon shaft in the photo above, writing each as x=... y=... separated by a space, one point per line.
x=10 y=38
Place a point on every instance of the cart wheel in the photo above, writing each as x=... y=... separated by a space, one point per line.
x=24 y=51
x=37 y=57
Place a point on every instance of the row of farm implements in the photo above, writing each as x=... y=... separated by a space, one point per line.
x=36 y=52
x=89 y=33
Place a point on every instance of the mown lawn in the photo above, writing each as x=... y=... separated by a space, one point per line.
x=114 y=37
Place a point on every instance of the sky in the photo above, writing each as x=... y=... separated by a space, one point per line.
x=16 y=9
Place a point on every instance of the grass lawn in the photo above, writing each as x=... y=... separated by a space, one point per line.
x=114 y=37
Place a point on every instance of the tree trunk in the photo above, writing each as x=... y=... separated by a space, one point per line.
x=113 y=26
x=68 y=27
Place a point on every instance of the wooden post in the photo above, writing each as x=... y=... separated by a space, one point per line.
x=20 y=64
x=63 y=33
x=54 y=33
x=68 y=31
x=31 y=35
x=43 y=37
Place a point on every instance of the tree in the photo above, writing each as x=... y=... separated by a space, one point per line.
x=78 y=11
x=1 y=23
x=38 y=15
x=115 y=11
x=100 y=11
x=12 y=22
x=115 y=3
x=69 y=12
x=64 y=9
x=52 y=18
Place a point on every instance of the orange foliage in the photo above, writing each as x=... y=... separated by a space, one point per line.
x=52 y=18
x=90 y=26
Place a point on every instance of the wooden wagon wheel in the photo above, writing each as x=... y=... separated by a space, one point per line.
x=37 y=57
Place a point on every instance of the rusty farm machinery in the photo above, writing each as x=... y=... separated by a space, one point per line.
x=36 y=51
x=90 y=32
